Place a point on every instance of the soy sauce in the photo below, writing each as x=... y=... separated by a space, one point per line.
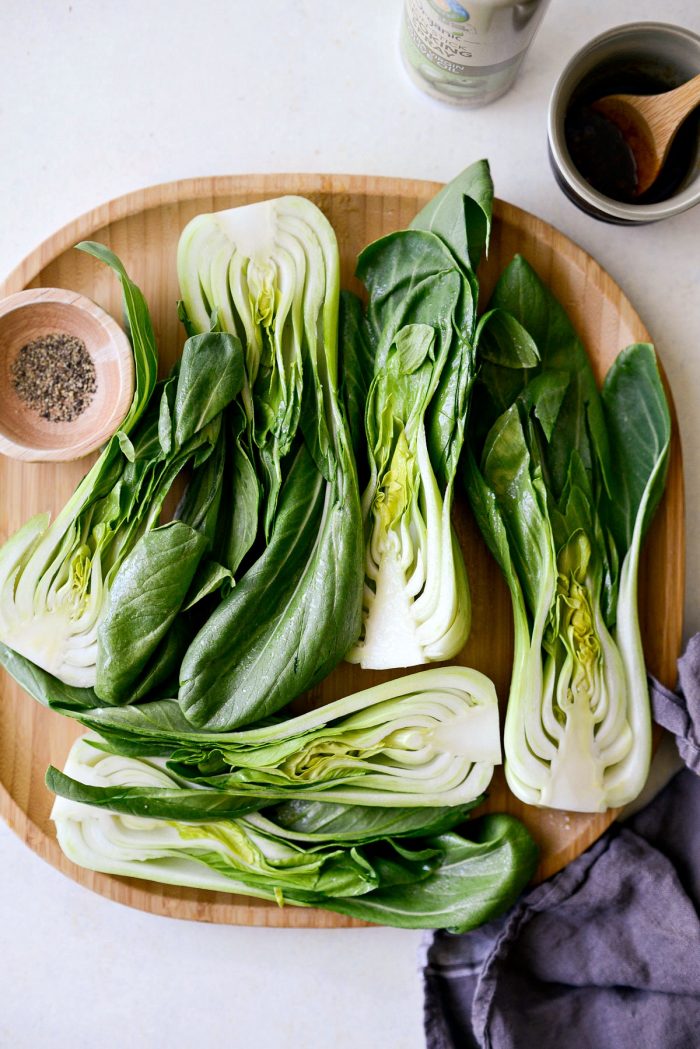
x=599 y=150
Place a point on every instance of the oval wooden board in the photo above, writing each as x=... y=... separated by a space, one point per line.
x=143 y=228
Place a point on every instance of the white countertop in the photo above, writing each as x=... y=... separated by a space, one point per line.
x=97 y=99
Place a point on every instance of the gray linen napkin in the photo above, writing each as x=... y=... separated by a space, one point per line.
x=604 y=955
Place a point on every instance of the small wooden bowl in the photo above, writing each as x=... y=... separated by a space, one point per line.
x=28 y=315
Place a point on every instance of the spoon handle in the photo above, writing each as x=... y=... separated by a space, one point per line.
x=677 y=104
x=685 y=98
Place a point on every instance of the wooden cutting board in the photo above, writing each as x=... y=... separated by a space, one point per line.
x=143 y=228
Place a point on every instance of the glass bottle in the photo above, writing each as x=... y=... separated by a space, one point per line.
x=467 y=51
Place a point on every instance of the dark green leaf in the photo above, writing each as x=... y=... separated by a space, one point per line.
x=178 y=803
x=211 y=373
x=160 y=721
x=448 y=411
x=199 y=507
x=314 y=423
x=474 y=881
x=460 y=214
x=238 y=524
x=325 y=821
x=357 y=366
x=164 y=664
x=580 y=424
x=639 y=424
x=521 y=499
x=545 y=395
x=488 y=517
x=144 y=599
x=209 y=578
x=140 y=330
x=291 y=617
x=412 y=279
x=503 y=340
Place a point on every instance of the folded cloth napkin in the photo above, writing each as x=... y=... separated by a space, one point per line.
x=604 y=955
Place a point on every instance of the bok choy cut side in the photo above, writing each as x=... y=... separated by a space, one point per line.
x=421 y=320
x=428 y=739
x=90 y=597
x=564 y=481
x=403 y=874
x=55 y=576
x=269 y=273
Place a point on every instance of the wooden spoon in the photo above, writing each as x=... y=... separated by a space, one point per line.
x=649 y=123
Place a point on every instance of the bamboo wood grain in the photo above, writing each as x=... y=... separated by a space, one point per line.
x=143 y=228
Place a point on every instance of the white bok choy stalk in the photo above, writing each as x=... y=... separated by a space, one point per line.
x=421 y=321
x=564 y=481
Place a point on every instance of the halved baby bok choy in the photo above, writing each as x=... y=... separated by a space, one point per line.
x=269 y=273
x=427 y=739
x=564 y=481
x=54 y=577
x=399 y=873
x=65 y=605
x=421 y=323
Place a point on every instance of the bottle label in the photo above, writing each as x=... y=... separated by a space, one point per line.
x=457 y=36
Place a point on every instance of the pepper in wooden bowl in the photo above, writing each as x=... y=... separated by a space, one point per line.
x=66 y=375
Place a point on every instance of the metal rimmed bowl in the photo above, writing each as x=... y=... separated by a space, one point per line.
x=670 y=55
x=31 y=314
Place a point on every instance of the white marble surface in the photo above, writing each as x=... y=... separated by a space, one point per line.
x=98 y=97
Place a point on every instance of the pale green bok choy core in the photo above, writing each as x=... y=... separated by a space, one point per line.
x=403 y=867
x=564 y=481
x=421 y=325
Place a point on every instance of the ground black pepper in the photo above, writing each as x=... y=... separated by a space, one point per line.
x=55 y=376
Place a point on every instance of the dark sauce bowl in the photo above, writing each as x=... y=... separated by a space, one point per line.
x=590 y=166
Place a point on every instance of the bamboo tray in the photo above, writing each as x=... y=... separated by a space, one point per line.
x=143 y=228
